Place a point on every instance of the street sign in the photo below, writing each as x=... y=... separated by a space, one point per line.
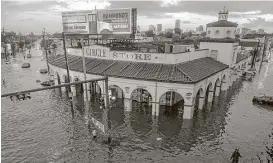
x=98 y=124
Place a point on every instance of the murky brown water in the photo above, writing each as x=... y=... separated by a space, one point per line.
x=41 y=129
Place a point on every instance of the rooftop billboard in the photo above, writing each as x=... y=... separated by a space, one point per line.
x=106 y=21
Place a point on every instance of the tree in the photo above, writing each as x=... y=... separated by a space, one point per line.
x=21 y=44
x=54 y=46
x=161 y=34
x=203 y=34
x=169 y=34
x=176 y=38
x=177 y=31
x=149 y=33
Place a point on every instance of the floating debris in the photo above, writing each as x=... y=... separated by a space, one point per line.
x=43 y=71
x=25 y=65
x=263 y=100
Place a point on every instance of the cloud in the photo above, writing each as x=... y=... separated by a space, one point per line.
x=71 y=5
x=259 y=23
x=187 y=22
x=169 y=3
x=165 y=12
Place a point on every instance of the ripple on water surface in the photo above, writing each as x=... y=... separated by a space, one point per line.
x=41 y=129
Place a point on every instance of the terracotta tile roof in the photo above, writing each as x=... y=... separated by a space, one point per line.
x=222 y=23
x=248 y=43
x=199 y=69
x=242 y=56
x=187 y=72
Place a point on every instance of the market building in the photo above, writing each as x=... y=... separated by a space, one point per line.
x=167 y=78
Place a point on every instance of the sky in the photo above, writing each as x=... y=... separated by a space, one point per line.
x=34 y=15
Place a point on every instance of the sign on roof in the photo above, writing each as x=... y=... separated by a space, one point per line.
x=110 y=21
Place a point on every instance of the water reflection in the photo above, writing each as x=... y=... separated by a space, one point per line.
x=43 y=130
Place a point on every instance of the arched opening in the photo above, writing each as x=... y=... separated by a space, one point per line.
x=78 y=87
x=116 y=95
x=224 y=83
x=228 y=33
x=208 y=95
x=58 y=79
x=95 y=91
x=217 y=88
x=199 y=101
x=141 y=100
x=171 y=104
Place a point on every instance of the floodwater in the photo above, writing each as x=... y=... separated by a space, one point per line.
x=42 y=129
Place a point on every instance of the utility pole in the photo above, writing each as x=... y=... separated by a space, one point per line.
x=45 y=47
x=84 y=69
x=67 y=69
x=4 y=40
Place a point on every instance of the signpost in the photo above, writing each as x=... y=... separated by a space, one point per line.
x=98 y=124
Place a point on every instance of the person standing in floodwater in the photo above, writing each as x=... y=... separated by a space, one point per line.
x=94 y=133
x=110 y=152
x=235 y=156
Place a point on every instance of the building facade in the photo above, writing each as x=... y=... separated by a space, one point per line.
x=159 y=28
x=222 y=28
x=177 y=23
x=152 y=27
x=181 y=77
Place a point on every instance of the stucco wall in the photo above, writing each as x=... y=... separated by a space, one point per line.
x=222 y=32
x=225 y=51
x=129 y=85
x=100 y=52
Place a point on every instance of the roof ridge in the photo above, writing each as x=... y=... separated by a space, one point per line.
x=109 y=66
x=128 y=64
x=81 y=65
x=96 y=64
x=171 y=73
x=140 y=69
x=159 y=69
x=184 y=73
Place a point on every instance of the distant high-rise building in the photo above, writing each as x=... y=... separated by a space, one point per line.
x=159 y=27
x=197 y=29
x=138 y=28
x=152 y=27
x=177 y=23
x=260 y=31
x=201 y=28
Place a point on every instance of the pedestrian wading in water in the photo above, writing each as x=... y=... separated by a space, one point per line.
x=110 y=152
x=235 y=156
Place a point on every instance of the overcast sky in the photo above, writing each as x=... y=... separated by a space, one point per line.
x=26 y=16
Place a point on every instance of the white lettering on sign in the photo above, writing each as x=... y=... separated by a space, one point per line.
x=96 y=52
x=98 y=124
x=132 y=56
x=80 y=27
x=117 y=26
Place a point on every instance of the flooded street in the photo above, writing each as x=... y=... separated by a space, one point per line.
x=41 y=129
